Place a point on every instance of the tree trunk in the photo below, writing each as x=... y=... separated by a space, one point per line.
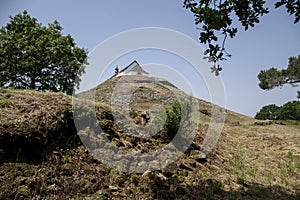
x=32 y=83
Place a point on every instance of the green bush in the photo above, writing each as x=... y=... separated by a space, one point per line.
x=172 y=122
x=177 y=113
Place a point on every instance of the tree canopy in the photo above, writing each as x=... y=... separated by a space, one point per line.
x=268 y=112
x=216 y=19
x=289 y=111
x=273 y=77
x=37 y=57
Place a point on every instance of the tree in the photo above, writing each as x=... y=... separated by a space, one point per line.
x=216 y=18
x=289 y=111
x=36 y=57
x=273 y=77
x=268 y=112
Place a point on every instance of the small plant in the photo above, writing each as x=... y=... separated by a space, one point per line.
x=172 y=122
x=252 y=172
x=4 y=102
x=141 y=89
x=106 y=124
x=241 y=179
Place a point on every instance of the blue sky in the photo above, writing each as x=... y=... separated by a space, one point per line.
x=91 y=22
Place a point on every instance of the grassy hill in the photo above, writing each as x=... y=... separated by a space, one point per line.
x=42 y=157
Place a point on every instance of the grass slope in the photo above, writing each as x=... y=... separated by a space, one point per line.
x=41 y=157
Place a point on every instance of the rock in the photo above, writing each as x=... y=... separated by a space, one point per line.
x=113 y=188
x=206 y=112
x=263 y=123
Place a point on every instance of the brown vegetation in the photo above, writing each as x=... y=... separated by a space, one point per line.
x=42 y=157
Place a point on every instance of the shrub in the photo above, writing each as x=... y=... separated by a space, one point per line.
x=176 y=113
x=172 y=122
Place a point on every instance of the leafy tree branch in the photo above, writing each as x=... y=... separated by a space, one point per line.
x=215 y=18
x=273 y=77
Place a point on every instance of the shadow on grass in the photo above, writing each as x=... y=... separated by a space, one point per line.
x=32 y=150
x=213 y=189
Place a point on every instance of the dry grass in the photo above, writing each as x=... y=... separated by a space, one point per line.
x=249 y=162
x=29 y=121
